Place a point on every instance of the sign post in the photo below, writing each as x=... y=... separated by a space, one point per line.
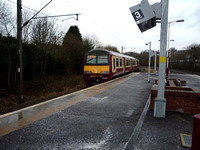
x=160 y=101
x=145 y=16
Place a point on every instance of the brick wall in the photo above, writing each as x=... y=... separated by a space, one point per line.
x=179 y=99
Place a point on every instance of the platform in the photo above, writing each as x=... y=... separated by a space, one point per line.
x=105 y=116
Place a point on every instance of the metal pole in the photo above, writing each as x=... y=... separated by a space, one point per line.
x=155 y=62
x=149 y=65
x=19 y=39
x=168 y=35
x=160 y=101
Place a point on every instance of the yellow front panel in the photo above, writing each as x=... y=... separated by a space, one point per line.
x=96 y=69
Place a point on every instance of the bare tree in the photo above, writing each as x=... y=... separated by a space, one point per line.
x=6 y=19
x=6 y=27
x=92 y=41
x=194 y=55
x=44 y=36
x=26 y=31
x=112 y=48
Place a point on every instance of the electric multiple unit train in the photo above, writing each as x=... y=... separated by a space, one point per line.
x=101 y=65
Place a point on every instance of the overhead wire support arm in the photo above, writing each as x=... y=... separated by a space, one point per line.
x=58 y=16
x=35 y=15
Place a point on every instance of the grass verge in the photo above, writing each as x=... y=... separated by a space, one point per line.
x=39 y=91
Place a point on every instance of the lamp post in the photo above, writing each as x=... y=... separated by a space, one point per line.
x=149 y=61
x=169 y=23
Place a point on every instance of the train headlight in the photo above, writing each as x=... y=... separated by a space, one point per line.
x=87 y=72
x=104 y=72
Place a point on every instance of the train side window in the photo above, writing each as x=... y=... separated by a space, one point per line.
x=114 y=63
x=117 y=62
x=134 y=62
x=128 y=62
x=120 y=62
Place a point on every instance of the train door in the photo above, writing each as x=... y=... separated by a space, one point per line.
x=113 y=64
x=123 y=64
x=131 y=65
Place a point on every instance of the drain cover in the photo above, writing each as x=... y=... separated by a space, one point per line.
x=186 y=140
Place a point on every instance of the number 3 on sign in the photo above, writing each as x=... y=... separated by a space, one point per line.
x=138 y=15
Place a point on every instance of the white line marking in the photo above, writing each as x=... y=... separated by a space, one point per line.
x=132 y=140
x=95 y=146
x=130 y=112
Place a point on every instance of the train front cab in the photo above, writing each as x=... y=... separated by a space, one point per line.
x=96 y=67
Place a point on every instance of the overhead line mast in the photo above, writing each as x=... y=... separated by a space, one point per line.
x=19 y=47
x=20 y=51
x=19 y=42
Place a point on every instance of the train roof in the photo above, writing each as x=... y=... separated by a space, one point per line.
x=111 y=52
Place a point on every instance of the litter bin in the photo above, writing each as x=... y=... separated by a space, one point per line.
x=196 y=133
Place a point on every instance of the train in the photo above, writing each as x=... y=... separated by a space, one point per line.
x=101 y=65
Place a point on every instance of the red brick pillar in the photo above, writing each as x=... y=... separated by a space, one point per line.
x=167 y=72
x=196 y=133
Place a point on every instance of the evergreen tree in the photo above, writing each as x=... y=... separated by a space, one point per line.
x=73 y=50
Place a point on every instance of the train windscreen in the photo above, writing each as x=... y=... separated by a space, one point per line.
x=97 y=60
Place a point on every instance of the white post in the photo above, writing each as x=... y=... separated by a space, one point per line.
x=155 y=62
x=160 y=101
x=149 y=65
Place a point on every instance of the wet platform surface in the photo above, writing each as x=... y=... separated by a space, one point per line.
x=164 y=134
x=47 y=108
x=101 y=117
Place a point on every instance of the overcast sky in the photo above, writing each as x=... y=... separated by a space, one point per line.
x=112 y=22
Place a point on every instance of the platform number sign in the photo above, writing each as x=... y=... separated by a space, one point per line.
x=138 y=15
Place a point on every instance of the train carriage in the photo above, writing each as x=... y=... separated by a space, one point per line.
x=101 y=65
